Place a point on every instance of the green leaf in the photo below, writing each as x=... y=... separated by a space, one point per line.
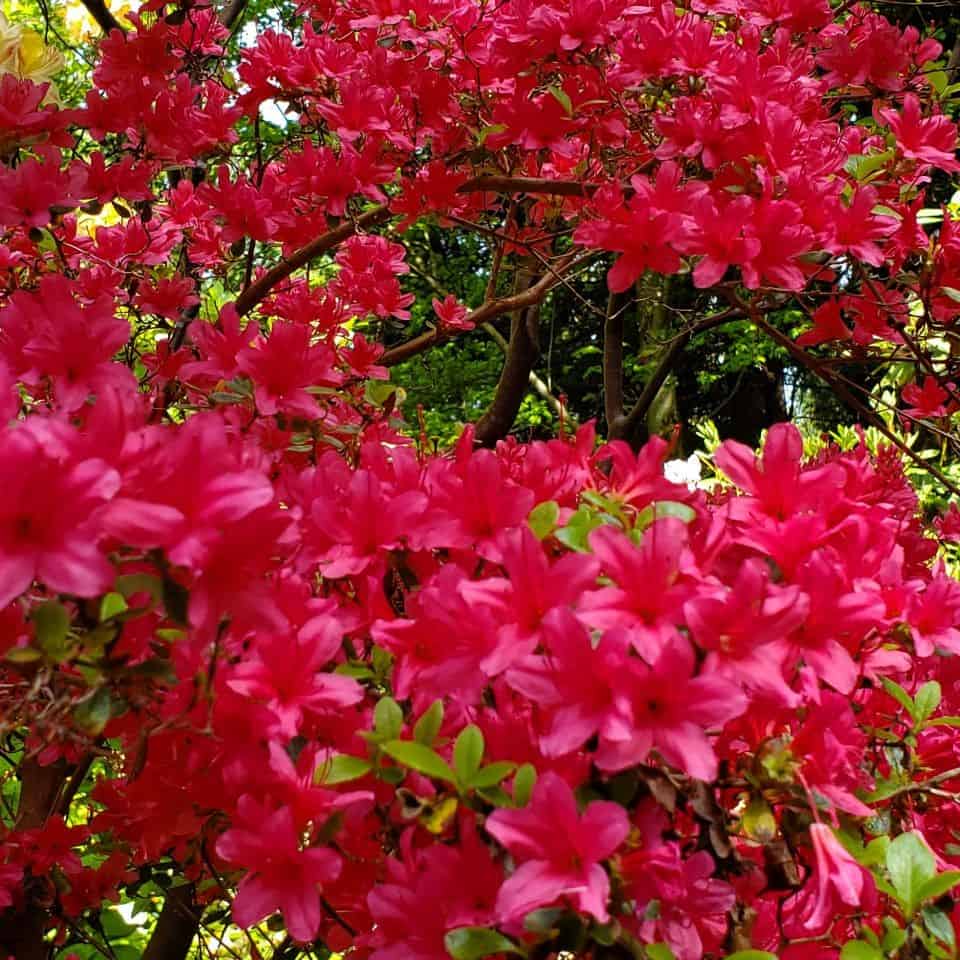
x=659 y=951
x=899 y=694
x=341 y=769
x=492 y=774
x=428 y=726
x=758 y=820
x=576 y=533
x=664 y=508
x=130 y=584
x=561 y=97
x=93 y=712
x=910 y=865
x=52 y=624
x=543 y=518
x=111 y=605
x=751 y=955
x=894 y=938
x=468 y=752
x=471 y=943
x=927 y=700
x=937 y=886
x=944 y=722
x=858 y=950
x=938 y=80
x=387 y=718
x=523 y=784
x=863 y=166
x=952 y=292
x=421 y=758
x=938 y=923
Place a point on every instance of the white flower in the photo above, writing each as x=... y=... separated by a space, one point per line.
x=684 y=471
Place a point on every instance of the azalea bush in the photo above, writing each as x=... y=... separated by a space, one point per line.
x=283 y=676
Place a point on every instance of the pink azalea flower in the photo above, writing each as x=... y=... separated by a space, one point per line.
x=559 y=851
x=836 y=886
x=281 y=876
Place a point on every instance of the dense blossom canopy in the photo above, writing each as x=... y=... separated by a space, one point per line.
x=266 y=650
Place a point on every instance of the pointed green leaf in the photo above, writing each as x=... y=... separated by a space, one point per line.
x=468 y=752
x=858 y=950
x=472 y=943
x=937 y=886
x=543 y=518
x=910 y=865
x=492 y=774
x=421 y=758
x=927 y=700
x=899 y=694
x=52 y=624
x=387 y=718
x=938 y=923
x=428 y=726
x=523 y=784
x=341 y=769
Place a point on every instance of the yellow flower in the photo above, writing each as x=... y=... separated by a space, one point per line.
x=36 y=61
x=81 y=27
x=24 y=54
x=87 y=223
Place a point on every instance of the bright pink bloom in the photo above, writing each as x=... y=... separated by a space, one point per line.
x=837 y=885
x=49 y=514
x=558 y=851
x=451 y=314
x=931 y=140
x=280 y=875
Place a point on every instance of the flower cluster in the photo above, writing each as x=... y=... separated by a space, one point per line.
x=528 y=697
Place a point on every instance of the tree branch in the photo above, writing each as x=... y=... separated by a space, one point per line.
x=101 y=13
x=828 y=377
x=522 y=353
x=22 y=930
x=539 y=386
x=486 y=311
x=176 y=926
x=613 y=358
x=500 y=184
x=261 y=287
x=627 y=427
x=233 y=12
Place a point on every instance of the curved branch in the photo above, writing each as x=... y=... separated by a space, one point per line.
x=840 y=389
x=261 y=287
x=613 y=359
x=522 y=353
x=176 y=926
x=627 y=427
x=101 y=13
x=233 y=12
x=500 y=184
x=483 y=313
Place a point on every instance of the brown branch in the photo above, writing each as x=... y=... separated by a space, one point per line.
x=541 y=388
x=176 y=927
x=101 y=13
x=486 y=311
x=828 y=377
x=628 y=427
x=613 y=358
x=261 y=287
x=500 y=184
x=22 y=930
x=522 y=353
x=233 y=12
